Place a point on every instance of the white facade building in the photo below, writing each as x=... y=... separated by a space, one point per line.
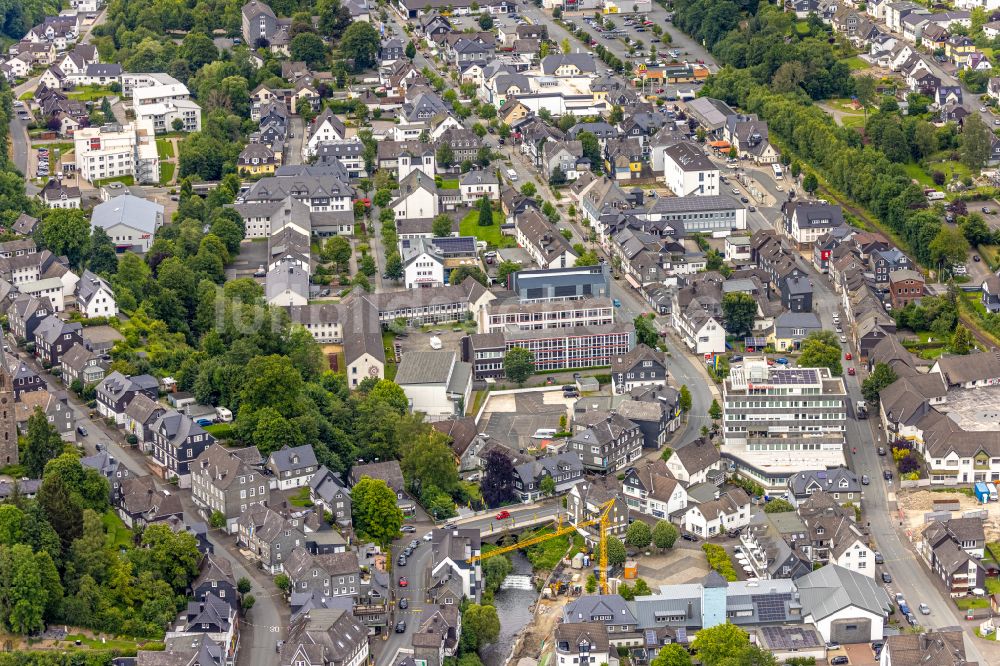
x=112 y=151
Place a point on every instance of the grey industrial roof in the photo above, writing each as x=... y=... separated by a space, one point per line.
x=425 y=367
x=129 y=210
x=833 y=588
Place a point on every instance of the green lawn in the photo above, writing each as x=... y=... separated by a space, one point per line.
x=220 y=430
x=469 y=226
x=802 y=28
x=90 y=93
x=449 y=184
x=127 y=180
x=27 y=95
x=301 y=498
x=975 y=602
x=119 y=536
x=165 y=148
x=546 y=555
x=853 y=122
x=62 y=146
x=914 y=171
x=166 y=172
x=855 y=63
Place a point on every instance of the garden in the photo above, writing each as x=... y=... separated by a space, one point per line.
x=469 y=226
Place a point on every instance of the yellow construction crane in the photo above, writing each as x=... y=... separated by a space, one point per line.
x=603 y=519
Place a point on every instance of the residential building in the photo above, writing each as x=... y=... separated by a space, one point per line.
x=938 y=647
x=328 y=492
x=841 y=484
x=643 y=366
x=177 y=443
x=806 y=221
x=905 y=287
x=222 y=481
x=547 y=247
x=609 y=610
x=57 y=195
x=110 y=151
x=652 y=490
x=791 y=329
x=116 y=391
x=292 y=467
x=565 y=470
x=845 y=606
x=269 y=537
x=54 y=337
x=331 y=574
x=95 y=297
x=325 y=637
x=450 y=551
x=581 y=642
x=728 y=510
x=79 y=363
x=608 y=445
x=687 y=171
x=138 y=502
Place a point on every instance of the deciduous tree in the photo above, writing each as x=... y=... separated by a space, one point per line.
x=664 y=534
x=638 y=535
x=374 y=511
x=498 y=478
x=518 y=365
x=739 y=310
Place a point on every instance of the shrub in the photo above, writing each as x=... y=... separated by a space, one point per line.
x=719 y=560
x=909 y=465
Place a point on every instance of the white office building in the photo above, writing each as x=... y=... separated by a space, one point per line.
x=111 y=151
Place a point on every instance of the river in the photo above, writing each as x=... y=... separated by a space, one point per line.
x=513 y=602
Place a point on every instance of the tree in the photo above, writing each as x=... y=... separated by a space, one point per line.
x=338 y=250
x=645 y=332
x=495 y=570
x=65 y=231
x=441 y=226
x=505 y=268
x=809 y=183
x=42 y=444
x=485 y=212
x=720 y=643
x=664 y=534
x=819 y=352
x=102 y=258
x=198 y=49
x=591 y=148
x=638 y=535
x=458 y=275
x=616 y=551
x=360 y=43
x=975 y=229
x=547 y=485
x=739 y=310
x=62 y=510
x=715 y=411
x=308 y=47
x=247 y=601
x=882 y=375
x=529 y=189
x=428 y=460
x=778 y=505
x=498 y=478
x=217 y=520
x=243 y=585
x=974 y=142
x=685 y=398
x=672 y=655
x=962 y=341
x=948 y=247
x=591 y=585
x=25 y=596
x=367 y=265
x=374 y=511
x=864 y=91
x=283 y=582
x=394 y=266
x=411 y=50
x=482 y=624
x=518 y=365
x=485 y=21
x=445 y=155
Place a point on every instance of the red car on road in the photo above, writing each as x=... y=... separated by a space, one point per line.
x=847 y=356
x=403 y=582
x=503 y=515
x=850 y=371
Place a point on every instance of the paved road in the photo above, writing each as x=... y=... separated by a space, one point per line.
x=269 y=612
x=298 y=141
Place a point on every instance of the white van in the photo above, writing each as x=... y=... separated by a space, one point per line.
x=223 y=414
x=511 y=174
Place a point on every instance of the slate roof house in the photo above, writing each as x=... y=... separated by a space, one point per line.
x=642 y=366
x=389 y=472
x=138 y=502
x=227 y=481
x=608 y=445
x=54 y=337
x=269 y=536
x=332 y=574
x=292 y=467
x=116 y=391
x=327 y=492
x=177 y=442
x=565 y=469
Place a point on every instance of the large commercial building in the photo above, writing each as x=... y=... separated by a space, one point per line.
x=554 y=348
x=115 y=150
x=778 y=421
x=702 y=214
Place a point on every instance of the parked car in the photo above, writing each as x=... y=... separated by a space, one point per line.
x=851 y=371
x=82 y=431
x=450 y=526
x=886 y=577
x=878 y=558
x=401 y=627
x=848 y=357
x=407 y=529
x=881 y=450
x=503 y=515
x=839 y=660
x=403 y=603
x=203 y=422
x=865 y=480
x=403 y=582
x=401 y=560
x=687 y=536
x=428 y=536
x=887 y=475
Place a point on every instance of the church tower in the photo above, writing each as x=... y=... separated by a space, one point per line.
x=8 y=427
